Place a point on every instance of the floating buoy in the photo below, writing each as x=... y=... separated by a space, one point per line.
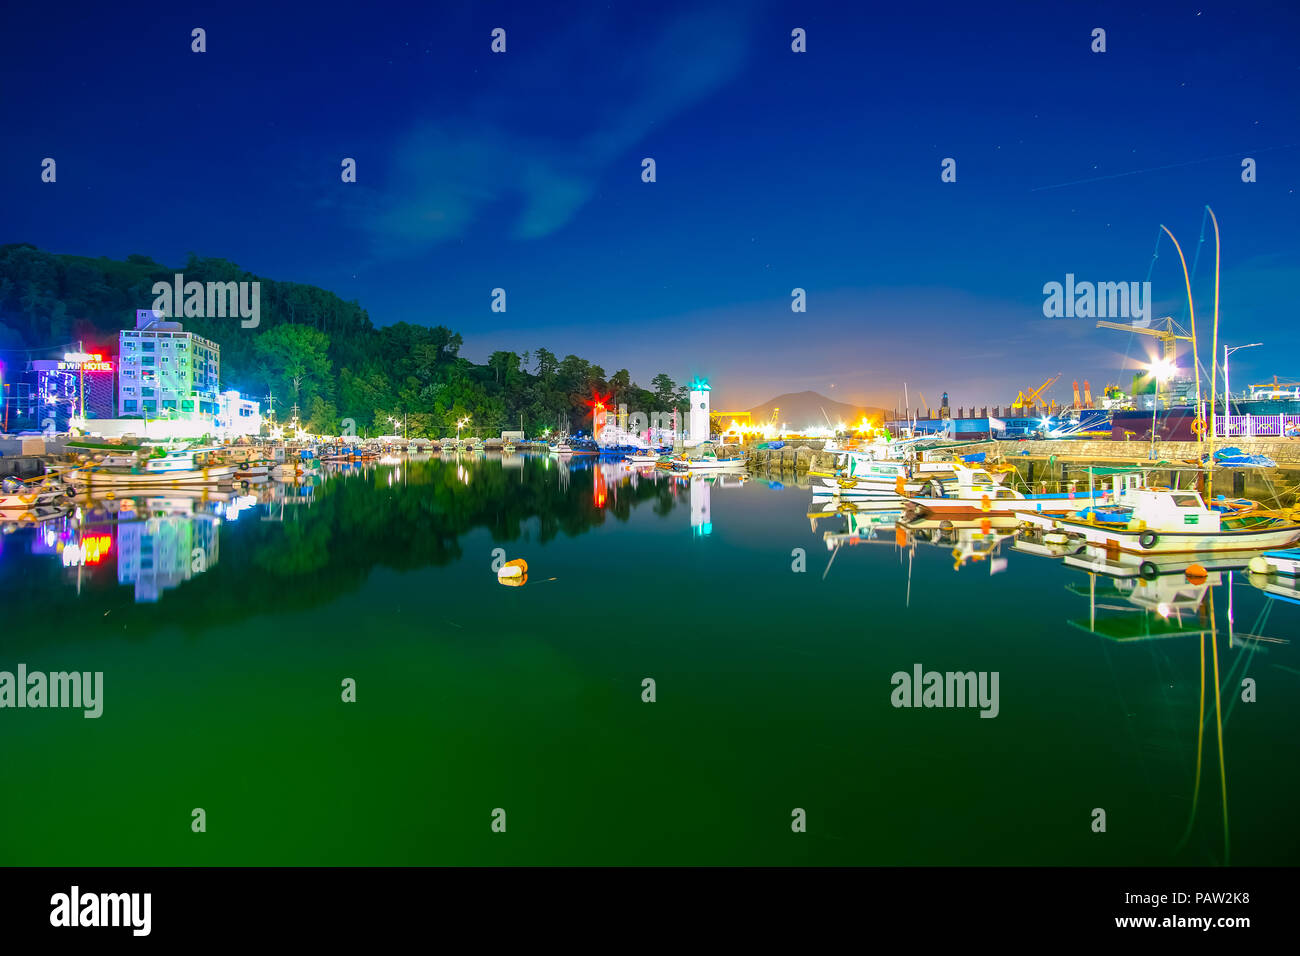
x=513 y=572
x=900 y=537
x=514 y=582
x=1055 y=537
x=1196 y=573
x=1259 y=565
x=985 y=504
x=899 y=486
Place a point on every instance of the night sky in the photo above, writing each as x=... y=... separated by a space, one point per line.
x=775 y=169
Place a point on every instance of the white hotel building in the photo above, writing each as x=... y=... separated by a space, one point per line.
x=167 y=373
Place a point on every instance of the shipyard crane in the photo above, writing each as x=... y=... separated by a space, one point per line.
x=1030 y=399
x=1168 y=342
x=1168 y=338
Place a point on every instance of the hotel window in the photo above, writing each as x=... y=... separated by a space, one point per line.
x=128 y=406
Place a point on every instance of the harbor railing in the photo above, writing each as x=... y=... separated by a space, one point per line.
x=1257 y=426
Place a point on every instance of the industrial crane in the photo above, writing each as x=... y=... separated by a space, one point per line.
x=1168 y=338
x=1030 y=399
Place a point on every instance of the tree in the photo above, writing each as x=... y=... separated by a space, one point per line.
x=665 y=390
x=293 y=360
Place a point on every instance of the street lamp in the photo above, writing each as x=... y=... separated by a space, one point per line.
x=1227 y=394
x=459 y=425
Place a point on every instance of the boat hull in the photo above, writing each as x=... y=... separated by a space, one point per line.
x=91 y=478
x=1181 y=542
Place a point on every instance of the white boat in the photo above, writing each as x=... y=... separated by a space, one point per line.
x=563 y=449
x=1286 y=561
x=866 y=477
x=178 y=466
x=1165 y=521
x=18 y=495
x=978 y=493
x=641 y=458
x=706 y=459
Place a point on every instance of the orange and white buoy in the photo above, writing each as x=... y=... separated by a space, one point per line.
x=513 y=573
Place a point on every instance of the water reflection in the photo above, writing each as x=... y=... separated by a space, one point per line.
x=337 y=524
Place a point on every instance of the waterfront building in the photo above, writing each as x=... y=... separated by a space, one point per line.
x=76 y=386
x=238 y=415
x=166 y=372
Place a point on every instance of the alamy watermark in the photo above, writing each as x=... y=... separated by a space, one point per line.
x=56 y=689
x=209 y=300
x=1097 y=300
x=952 y=689
x=76 y=909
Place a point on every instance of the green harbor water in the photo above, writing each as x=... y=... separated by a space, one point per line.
x=225 y=628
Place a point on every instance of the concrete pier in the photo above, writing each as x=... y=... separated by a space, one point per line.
x=1059 y=463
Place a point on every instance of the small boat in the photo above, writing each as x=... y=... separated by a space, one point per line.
x=1285 y=561
x=562 y=449
x=16 y=495
x=642 y=458
x=706 y=460
x=176 y=466
x=978 y=493
x=1173 y=521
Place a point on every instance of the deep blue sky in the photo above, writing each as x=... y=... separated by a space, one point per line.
x=775 y=170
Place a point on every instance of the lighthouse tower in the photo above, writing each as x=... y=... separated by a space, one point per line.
x=698 y=427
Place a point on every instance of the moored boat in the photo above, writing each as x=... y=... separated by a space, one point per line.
x=176 y=466
x=1172 y=521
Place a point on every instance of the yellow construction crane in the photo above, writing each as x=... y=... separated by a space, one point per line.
x=1030 y=399
x=772 y=420
x=1168 y=344
x=1168 y=338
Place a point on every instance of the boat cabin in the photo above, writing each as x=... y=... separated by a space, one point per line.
x=1162 y=509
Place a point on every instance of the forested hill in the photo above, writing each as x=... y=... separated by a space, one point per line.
x=313 y=349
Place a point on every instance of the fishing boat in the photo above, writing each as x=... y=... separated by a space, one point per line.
x=1172 y=521
x=17 y=495
x=706 y=459
x=642 y=458
x=176 y=466
x=978 y=493
x=886 y=469
x=561 y=449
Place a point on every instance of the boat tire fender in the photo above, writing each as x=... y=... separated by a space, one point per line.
x=1148 y=571
x=1148 y=539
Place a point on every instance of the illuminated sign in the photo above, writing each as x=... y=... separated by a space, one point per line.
x=84 y=362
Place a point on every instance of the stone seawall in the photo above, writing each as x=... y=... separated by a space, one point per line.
x=1057 y=464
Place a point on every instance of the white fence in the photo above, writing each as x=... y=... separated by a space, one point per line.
x=1257 y=426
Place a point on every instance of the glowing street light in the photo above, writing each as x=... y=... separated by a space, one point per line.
x=402 y=423
x=461 y=424
x=1227 y=394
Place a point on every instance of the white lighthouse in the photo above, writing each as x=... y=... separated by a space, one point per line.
x=698 y=429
